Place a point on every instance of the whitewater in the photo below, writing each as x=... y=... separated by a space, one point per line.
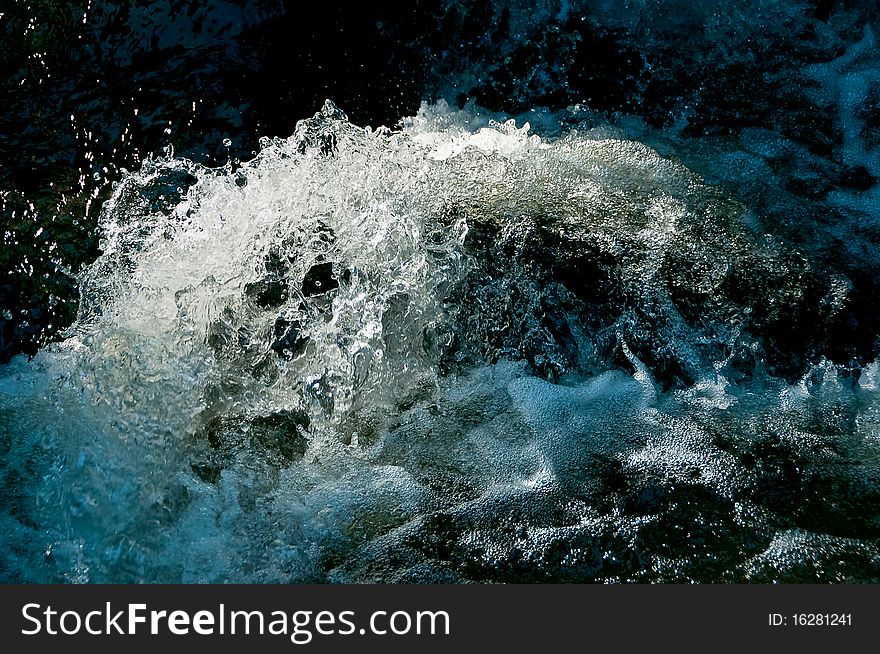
x=466 y=349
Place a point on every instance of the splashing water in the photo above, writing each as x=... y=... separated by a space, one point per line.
x=453 y=352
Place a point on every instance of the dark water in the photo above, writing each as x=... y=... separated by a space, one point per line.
x=635 y=341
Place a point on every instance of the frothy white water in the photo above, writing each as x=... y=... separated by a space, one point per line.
x=291 y=371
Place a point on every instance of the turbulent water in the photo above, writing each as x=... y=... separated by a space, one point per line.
x=463 y=350
x=602 y=309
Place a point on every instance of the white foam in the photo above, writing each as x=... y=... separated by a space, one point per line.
x=168 y=339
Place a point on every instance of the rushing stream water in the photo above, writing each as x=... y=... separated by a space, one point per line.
x=554 y=340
